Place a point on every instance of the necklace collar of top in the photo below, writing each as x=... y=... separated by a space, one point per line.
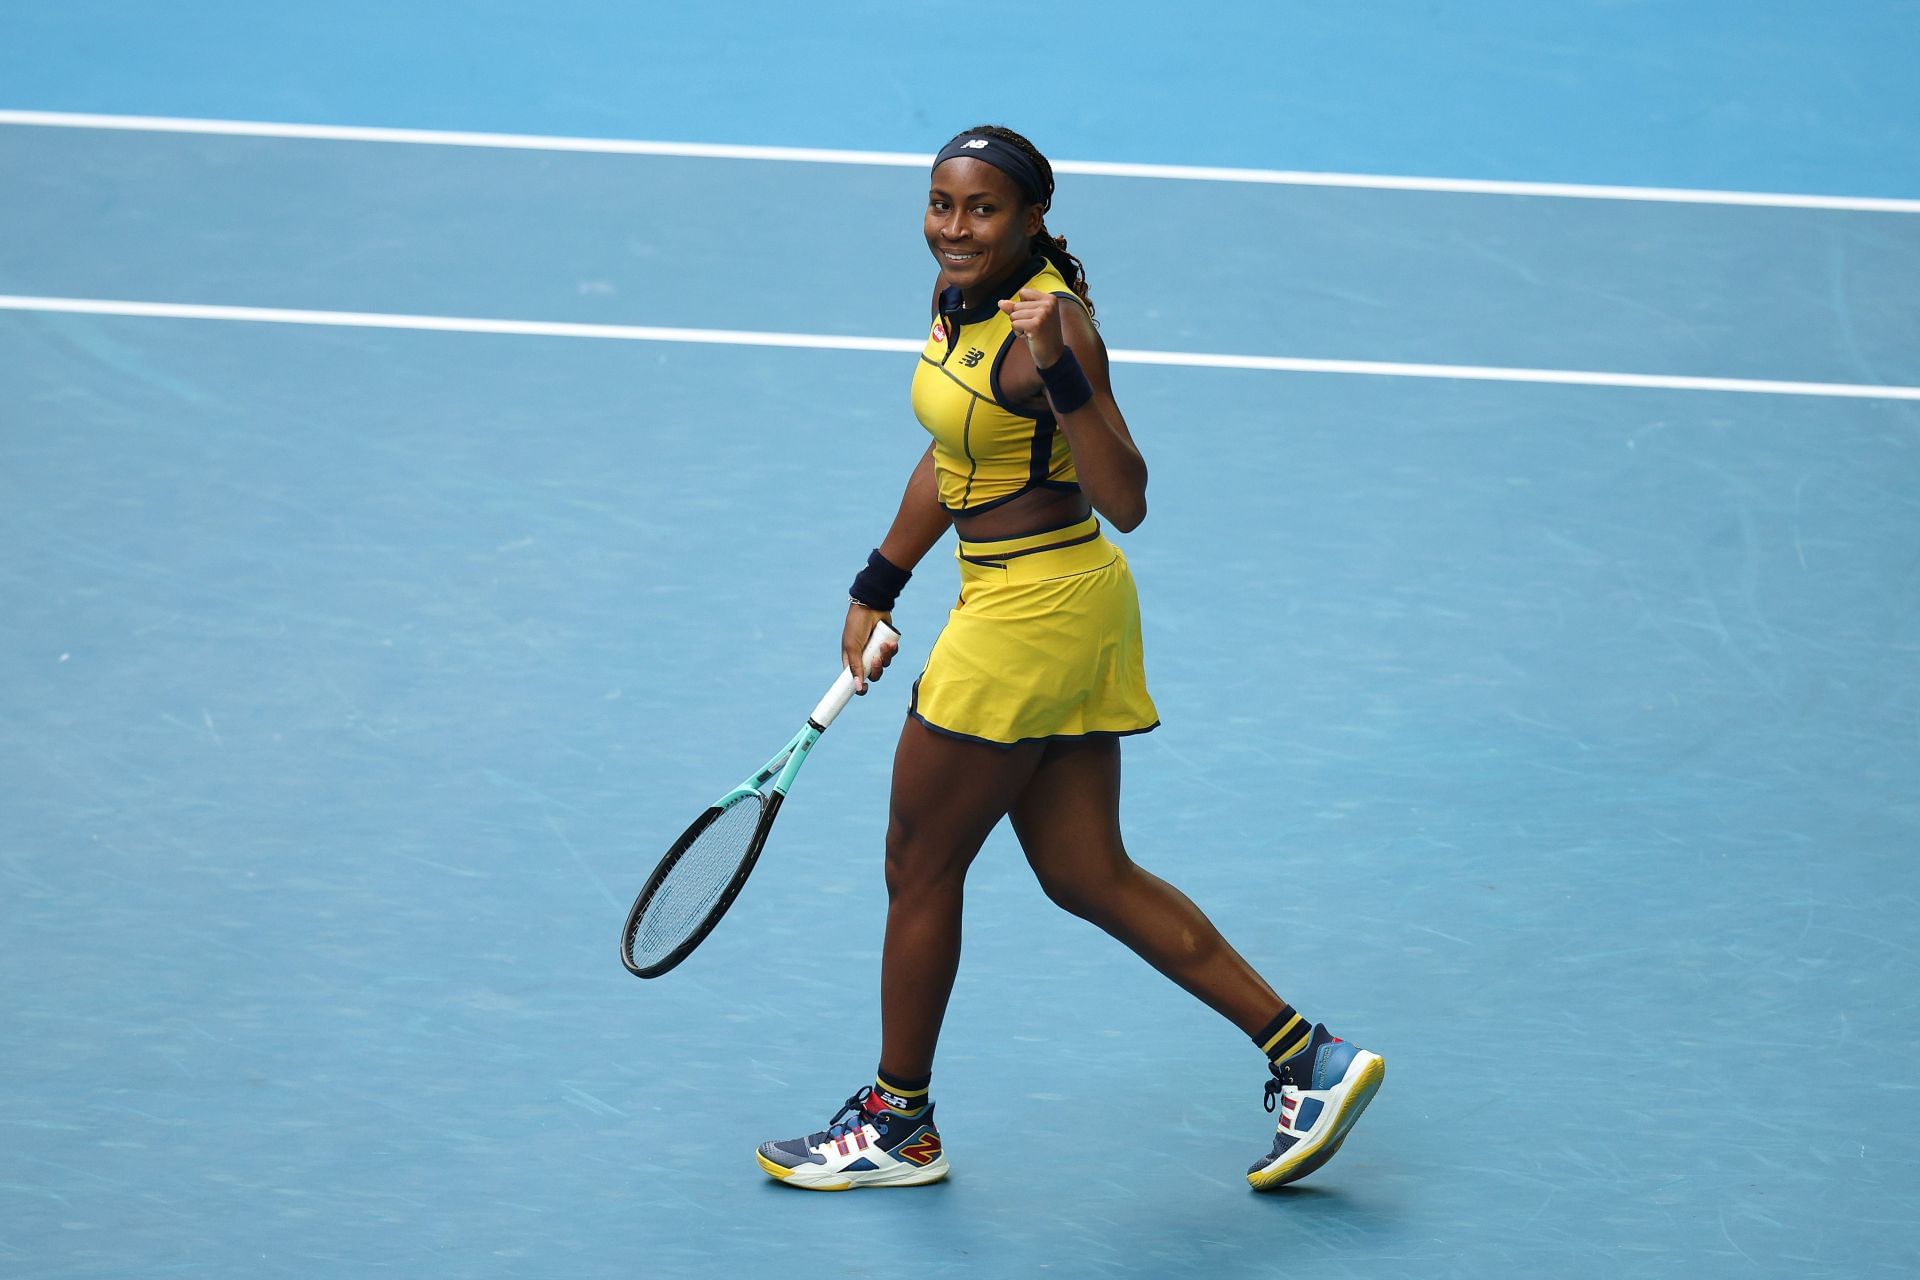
x=953 y=303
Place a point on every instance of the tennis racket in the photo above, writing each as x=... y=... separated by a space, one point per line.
x=705 y=869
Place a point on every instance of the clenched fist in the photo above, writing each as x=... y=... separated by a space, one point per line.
x=1036 y=317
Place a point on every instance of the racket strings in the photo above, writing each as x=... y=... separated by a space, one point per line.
x=682 y=900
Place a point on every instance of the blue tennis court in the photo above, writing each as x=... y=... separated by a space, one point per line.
x=1559 y=739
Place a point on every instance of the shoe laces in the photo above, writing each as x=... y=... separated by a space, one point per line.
x=1281 y=1085
x=848 y=1119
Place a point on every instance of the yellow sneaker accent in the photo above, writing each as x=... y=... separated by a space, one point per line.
x=785 y=1174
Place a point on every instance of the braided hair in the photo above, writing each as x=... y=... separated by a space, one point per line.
x=1051 y=247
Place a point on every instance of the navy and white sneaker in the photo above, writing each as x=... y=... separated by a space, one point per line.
x=865 y=1145
x=1321 y=1091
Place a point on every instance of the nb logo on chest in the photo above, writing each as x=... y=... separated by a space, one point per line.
x=973 y=357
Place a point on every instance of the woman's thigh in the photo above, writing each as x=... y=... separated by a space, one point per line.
x=1068 y=819
x=948 y=794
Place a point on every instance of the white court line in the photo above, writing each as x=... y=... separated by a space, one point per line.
x=452 y=324
x=837 y=342
x=813 y=155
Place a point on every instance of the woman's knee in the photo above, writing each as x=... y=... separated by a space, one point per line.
x=1087 y=892
x=1069 y=897
x=919 y=860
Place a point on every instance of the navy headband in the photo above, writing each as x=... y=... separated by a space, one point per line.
x=1002 y=155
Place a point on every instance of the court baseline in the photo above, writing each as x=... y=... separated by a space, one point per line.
x=900 y=159
x=845 y=342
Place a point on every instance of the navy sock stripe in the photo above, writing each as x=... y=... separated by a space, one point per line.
x=902 y=1093
x=897 y=1083
x=1284 y=1035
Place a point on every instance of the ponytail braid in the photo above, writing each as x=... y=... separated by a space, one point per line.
x=1049 y=246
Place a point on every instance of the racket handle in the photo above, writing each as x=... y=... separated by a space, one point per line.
x=842 y=692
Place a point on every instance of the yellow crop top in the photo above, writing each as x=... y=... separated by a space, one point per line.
x=984 y=452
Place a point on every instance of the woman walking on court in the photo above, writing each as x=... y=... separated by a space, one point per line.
x=1032 y=683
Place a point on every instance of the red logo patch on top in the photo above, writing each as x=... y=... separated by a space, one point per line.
x=939 y=330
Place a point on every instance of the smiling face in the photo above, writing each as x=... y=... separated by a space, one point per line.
x=979 y=227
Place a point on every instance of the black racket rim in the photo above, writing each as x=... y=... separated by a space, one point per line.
x=720 y=904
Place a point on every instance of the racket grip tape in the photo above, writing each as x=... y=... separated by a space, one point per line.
x=842 y=691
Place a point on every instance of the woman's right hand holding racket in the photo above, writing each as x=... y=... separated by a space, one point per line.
x=853 y=643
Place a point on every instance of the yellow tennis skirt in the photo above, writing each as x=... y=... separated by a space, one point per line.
x=1045 y=643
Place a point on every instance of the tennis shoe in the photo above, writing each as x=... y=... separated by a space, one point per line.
x=865 y=1145
x=1320 y=1092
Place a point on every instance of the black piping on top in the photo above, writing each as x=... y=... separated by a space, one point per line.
x=956 y=313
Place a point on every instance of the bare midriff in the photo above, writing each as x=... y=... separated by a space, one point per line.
x=1029 y=513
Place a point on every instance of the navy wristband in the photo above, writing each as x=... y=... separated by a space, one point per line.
x=878 y=585
x=1066 y=383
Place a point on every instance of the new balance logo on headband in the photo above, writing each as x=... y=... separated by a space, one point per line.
x=1034 y=186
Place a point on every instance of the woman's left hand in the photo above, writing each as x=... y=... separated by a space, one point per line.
x=1036 y=317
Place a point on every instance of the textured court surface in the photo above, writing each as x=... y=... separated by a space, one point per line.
x=1560 y=743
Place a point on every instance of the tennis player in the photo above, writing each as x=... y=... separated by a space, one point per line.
x=1035 y=679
